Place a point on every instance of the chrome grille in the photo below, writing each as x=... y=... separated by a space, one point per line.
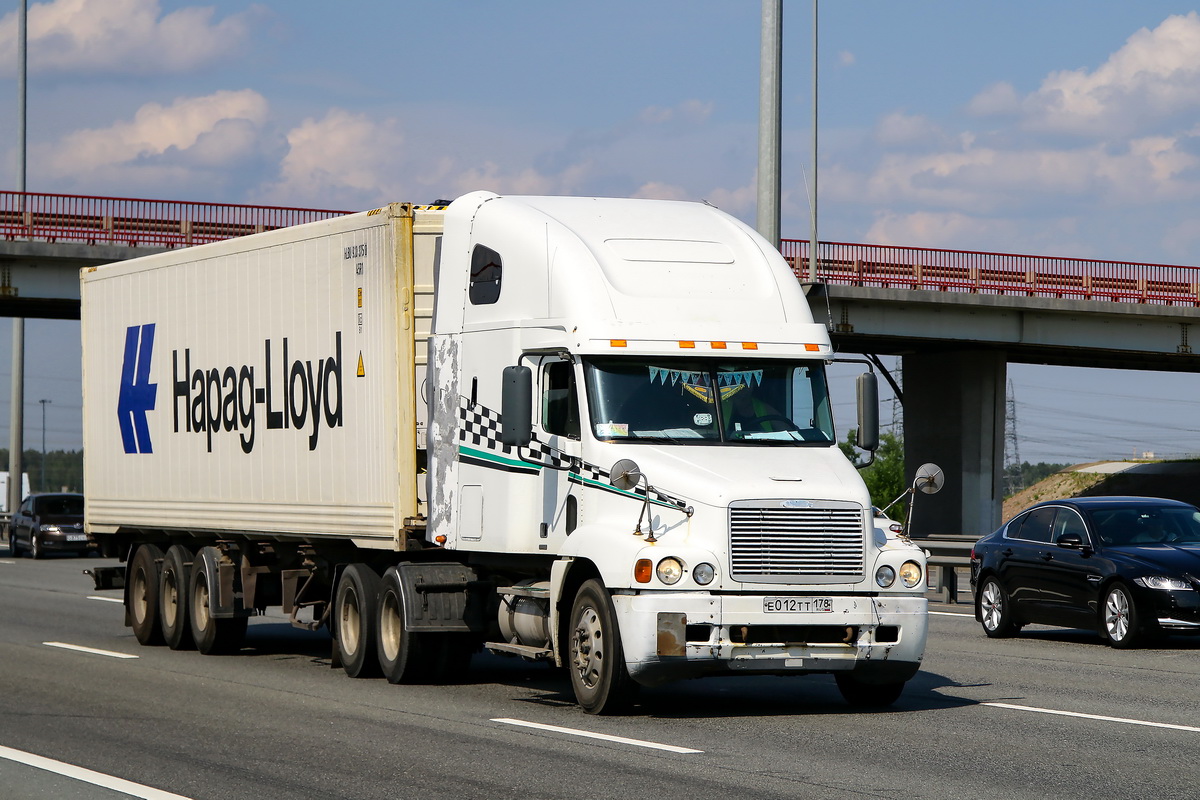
x=771 y=543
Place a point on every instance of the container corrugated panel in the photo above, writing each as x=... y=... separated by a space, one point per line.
x=260 y=385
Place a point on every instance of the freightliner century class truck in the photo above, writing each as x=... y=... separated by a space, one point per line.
x=589 y=431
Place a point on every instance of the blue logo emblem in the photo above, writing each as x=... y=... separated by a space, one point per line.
x=137 y=392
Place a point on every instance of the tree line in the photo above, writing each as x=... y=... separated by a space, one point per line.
x=63 y=470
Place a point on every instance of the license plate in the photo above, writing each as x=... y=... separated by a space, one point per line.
x=76 y=537
x=798 y=605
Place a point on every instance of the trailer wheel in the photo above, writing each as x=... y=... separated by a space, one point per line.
x=173 y=598
x=355 y=607
x=595 y=657
x=211 y=635
x=143 y=594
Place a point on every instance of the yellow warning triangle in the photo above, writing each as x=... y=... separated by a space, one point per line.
x=361 y=371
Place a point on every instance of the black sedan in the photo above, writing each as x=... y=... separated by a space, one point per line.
x=49 y=523
x=1128 y=567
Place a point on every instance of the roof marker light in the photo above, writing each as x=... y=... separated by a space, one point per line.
x=618 y=343
x=717 y=345
x=749 y=345
x=812 y=348
x=687 y=345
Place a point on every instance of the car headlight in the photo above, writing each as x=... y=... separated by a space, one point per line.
x=48 y=528
x=1164 y=583
x=704 y=574
x=885 y=576
x=910 y=574
x=669 y=570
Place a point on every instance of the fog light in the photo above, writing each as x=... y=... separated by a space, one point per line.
x=885 y=576
x=670 y=570
x=910 y=574
x=703 y=574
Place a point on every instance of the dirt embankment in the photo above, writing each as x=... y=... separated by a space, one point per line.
x=1177 y=480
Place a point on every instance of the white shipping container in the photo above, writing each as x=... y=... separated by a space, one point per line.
x=266 y=390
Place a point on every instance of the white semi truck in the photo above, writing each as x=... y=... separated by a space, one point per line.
x=591 y=431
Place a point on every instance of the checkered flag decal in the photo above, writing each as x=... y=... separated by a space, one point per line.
x=481 y=428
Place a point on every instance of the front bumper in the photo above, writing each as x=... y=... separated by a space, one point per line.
x=672 y=635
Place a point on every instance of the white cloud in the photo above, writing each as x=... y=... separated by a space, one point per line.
x=1155 y=75
x=898 y=129
x=121 y=36
x=689 y=111
x=999 y=98
x=932 y=229
x=163 y=143
x=846 y=58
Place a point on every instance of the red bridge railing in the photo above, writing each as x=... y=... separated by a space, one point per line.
x=996 y=273
x=133 y=222
x=169 y=223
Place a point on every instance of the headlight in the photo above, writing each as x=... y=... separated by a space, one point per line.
x=910 y=574
x=669 y=570
x=885 y=576
x=48 y=528
x=703 y=574
x=1164 y=583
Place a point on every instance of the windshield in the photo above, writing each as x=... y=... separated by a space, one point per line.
x=685 y=401
x=1148 y=524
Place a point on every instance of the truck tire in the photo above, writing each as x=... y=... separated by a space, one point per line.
x=861 y=694
x=212 y=635
x=355 y=607
x=143 y=594
x=401 y=652
x=595 y=657
x=173 y=598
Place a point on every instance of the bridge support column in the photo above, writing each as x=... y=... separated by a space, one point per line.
x=954 y=416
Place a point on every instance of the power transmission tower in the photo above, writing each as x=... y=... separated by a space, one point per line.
x=1013 y=477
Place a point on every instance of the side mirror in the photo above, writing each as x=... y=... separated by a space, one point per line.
x=516 y=406
x=1072 y=541
x=867 y=387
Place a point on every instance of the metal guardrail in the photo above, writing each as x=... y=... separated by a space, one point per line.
x=133 y=222
x=951 y=555
x=974 y=272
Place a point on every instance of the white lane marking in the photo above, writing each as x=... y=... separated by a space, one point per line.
x=88 y=776
x=588 y=734
x=6 y=561
x=1096 y=717
x=950 y=614
x=105 y=599
x=92 y=650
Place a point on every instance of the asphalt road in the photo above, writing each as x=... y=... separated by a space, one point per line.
x=1050 y=714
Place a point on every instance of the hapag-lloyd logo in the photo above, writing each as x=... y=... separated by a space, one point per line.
x=216 y=400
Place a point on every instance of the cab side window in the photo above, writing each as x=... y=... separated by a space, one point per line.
x=560 y=406
x=486 y=269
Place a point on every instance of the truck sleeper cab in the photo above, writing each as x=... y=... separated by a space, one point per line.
x=587 y=430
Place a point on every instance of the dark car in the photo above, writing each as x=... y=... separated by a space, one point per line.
x=49 y=523
x=1127 y=567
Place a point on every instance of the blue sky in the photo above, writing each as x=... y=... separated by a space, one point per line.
x=1056 y=127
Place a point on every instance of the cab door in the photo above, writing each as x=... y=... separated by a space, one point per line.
x=559 y=437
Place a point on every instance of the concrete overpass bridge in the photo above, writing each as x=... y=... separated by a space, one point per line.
x=955 y=318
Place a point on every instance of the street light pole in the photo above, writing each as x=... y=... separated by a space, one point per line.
x=43 y=480
x=16 y=415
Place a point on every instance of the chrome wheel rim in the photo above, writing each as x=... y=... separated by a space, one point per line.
x=200 y=603
x=1116 y=615
x=390 y=628
x=350 y=620
x=991 y=605
x=170 y=598
x=589 y=647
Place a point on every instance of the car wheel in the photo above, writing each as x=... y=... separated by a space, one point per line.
x=867 y=695
x=36 y=549
x=13 y=550
x=1120 y=622
x=995 y=610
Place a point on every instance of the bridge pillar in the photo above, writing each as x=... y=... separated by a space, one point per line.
x=954 y=416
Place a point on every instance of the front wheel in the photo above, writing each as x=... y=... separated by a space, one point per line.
x=1120 y=622
x=595 y=657
x=36 y=549
x=867 y=695
x=995 y=611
